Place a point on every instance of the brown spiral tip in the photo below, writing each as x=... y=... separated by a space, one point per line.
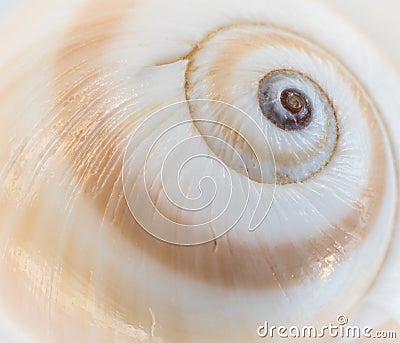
x=290 y=111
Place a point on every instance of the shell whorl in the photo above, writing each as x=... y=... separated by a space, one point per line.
x=117 y=83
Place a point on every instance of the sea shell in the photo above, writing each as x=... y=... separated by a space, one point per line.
x=155 y=186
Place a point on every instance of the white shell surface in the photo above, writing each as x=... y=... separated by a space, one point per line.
x=76 y=265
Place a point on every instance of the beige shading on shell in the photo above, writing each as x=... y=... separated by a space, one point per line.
x=80 y=78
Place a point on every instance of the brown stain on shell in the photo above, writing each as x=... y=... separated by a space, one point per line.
x=228 y=58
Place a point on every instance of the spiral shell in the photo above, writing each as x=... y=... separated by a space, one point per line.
x=185 y=170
